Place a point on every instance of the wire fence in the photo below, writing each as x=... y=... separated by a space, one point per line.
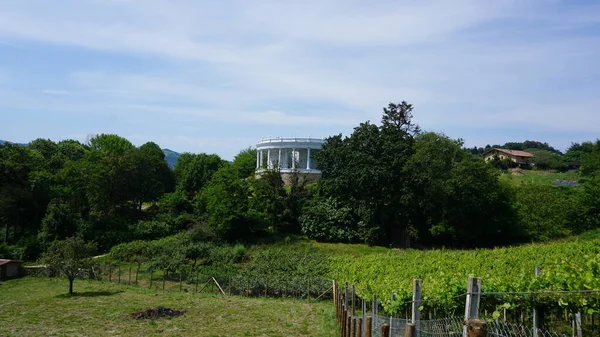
x=304 y=288
x=355 y=313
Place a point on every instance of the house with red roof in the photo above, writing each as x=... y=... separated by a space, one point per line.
x=521 y=158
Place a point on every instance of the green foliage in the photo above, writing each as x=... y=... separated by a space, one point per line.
x=193 y=172
x=547 y=160
x=591 y=161
x=565 y=266
x=328 y=220
x=547 y=212
x=175 y=203
x=69 y=256
x=151 y=229
x=245 y=163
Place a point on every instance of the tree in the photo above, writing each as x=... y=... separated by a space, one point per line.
x=192 y=172
x=136 y=252
x=578 y=151
x=546 y=160
x=224 y=200
x=245 y=163
x=69 y=257
x=365 y=172
x=591 y=161
x=152 y=175
x=400 y=116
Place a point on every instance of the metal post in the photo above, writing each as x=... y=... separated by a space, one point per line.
x=416 y=303
x=472 y=301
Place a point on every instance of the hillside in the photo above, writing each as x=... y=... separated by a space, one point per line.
x=171 y=157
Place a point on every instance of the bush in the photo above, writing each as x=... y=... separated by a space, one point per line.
x=148 y=230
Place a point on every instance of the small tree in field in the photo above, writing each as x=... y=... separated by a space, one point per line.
x=67 y=257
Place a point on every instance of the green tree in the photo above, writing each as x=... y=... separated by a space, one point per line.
x=591 y=161
x=245 y=163
x=225 y=201
x=152 y=175
x=546 y=160
x=192 y=172
x=365 y=172
x=577 y=152
x=266 y=205
x=69 y=257
x=136 y=252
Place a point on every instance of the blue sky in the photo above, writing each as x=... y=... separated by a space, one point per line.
x=214 y=76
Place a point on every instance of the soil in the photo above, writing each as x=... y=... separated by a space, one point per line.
x=155 y=313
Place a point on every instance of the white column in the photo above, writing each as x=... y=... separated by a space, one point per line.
x=257 y=159
x=293 y=159
x=269 y=165
x=279 y=160
x=308 y=158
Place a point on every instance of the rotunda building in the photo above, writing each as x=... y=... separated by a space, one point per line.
x=289 y=155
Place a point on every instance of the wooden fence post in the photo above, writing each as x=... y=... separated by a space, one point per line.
x=385 y=330
x=476 y=328
x=416 y=312
x=472 y=300
x=369 y=327
x=353 y=298
x=129 y=275
x=409 y=330
x=359 y=327
x=348 y=326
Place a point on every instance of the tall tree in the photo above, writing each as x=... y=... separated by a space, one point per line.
x=365 y=173
x=152 y=176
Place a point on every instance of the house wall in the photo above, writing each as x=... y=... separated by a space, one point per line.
x=9 y=270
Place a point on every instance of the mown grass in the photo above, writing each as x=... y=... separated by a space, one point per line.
x=39 y=306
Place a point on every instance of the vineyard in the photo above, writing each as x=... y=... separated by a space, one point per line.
x=567 y=285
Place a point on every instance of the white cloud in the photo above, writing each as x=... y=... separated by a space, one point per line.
x=55 y=92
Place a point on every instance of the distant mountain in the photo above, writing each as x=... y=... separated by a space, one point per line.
x=5 y=141
x=171 y=157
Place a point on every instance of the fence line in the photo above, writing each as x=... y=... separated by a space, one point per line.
x=365 y=320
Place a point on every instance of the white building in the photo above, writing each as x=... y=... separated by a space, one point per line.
x=289 y=155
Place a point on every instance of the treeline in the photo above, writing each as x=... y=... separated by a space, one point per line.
x=387 y=184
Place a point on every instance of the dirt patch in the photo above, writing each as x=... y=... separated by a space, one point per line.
x=517 y=172
x=155 y=313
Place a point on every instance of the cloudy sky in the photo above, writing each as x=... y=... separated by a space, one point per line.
x=216 y=75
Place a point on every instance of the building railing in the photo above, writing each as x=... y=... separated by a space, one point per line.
x=272 y=140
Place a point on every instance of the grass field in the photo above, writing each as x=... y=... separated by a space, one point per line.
x=539 y=177
x=39 y=306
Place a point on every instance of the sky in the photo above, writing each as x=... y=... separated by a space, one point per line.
x=214 y=76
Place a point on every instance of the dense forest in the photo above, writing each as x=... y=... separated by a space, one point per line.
x=389 y=184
